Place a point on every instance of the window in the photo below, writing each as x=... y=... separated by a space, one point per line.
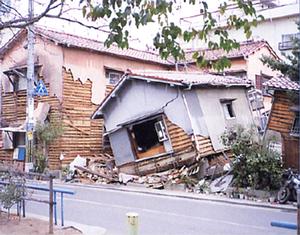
x=228 y=109
x=288 y=41
x=295 y=131
x=256 y=99
x=18 y=139
x=17 y=77
x=113 y=76
x=148 y=137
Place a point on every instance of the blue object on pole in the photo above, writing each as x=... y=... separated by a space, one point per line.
x=284 y=225
x=40 y=89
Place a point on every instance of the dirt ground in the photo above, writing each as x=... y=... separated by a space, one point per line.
x=14 y=226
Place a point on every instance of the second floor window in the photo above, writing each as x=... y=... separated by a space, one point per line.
x=295 y=131
x=228 y=110
x=113 y=76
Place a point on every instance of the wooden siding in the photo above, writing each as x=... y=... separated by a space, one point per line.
x=179 y=139
x=184 y=153
x=281 y=120
x=281 y=117
x=14 y=112
x=81 y=135
x=205 y=146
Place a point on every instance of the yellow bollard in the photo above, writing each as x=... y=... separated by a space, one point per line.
x=133 y=222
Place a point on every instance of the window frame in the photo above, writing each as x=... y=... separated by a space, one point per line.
x=295 y=130
x=226 y=111
x=109 y=71
x=138 y=154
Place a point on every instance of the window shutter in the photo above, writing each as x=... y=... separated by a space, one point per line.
x=7 y=138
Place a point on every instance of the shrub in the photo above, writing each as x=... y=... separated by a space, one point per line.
x=254 y=165
x=13 y=192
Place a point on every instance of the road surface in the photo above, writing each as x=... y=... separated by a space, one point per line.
x=164 y=215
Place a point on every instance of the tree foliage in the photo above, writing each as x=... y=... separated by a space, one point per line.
x=121 y=15
x=290 y=67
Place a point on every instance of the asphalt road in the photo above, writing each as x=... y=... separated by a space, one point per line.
x=163 y=215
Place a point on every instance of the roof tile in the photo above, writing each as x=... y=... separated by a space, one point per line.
x=246 y=48
x=282 y=83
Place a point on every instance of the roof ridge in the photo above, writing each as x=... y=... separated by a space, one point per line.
x=242 y=43
x=86 y=38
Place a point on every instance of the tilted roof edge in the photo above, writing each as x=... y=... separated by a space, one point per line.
x=42 y=32
x=148 y=78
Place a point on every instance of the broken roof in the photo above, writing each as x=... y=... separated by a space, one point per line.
x=282 y=83
x=246 y=48
x=69 y=40
x=178 y=78
x=188 y=78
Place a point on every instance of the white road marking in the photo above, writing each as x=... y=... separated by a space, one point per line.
x=214 y=221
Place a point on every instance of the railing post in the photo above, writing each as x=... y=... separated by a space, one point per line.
x=51 y=204
x=23 y=203
x=55 y=209
x=62 y=208
x=132 y=221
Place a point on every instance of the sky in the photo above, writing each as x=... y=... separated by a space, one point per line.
x=140 y=38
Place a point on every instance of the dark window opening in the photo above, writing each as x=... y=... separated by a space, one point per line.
x=295 y=128
x=148 y=138
x=145 y=135
x=105 y=140
x=228 y=110
x=18 y=139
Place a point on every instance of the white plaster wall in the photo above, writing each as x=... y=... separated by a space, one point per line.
x=91 y=65
x=270 y=30
x=216 y=122
x=47 y=54
x=138 y=98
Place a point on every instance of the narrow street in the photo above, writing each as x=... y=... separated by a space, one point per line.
x=164 y=215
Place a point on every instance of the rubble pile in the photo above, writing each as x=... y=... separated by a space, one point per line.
x=99 y=169
x=102 y=170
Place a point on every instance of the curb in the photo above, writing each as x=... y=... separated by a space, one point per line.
x=184 y=195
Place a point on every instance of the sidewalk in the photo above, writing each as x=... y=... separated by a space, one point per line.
x=85 y=229
x=179 y=194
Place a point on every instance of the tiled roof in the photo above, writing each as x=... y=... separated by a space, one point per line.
x=70 y=40
x=246 y=48
x=189 y=78
x=282 y=83
x=185 y=79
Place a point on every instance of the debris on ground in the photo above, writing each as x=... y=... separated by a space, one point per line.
x=98 y=169
x=101 y=169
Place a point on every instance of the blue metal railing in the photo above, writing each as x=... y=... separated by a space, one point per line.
x=44 y=188
x=284 y=225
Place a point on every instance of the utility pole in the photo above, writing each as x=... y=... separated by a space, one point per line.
x=298 y=190
x=30 y=85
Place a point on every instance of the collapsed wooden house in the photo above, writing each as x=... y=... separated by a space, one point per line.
x=76 y=72
x=284 y=117
x=156 y=120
